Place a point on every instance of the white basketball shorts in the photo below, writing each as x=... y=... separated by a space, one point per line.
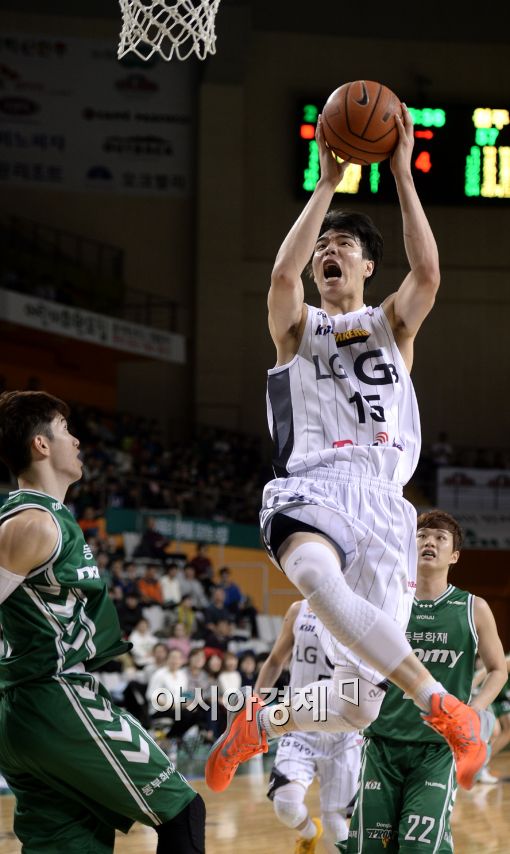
x=374 y=529
x=333 y=759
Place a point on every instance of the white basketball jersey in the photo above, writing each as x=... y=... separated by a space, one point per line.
x=309 y=662
x=346 y=400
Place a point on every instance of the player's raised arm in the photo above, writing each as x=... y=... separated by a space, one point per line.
x=492 y=654
x=277 y=658
x=286 y=294
x=27 y=541
x=408 y=307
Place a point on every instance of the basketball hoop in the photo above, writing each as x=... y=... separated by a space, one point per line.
x=168 y=27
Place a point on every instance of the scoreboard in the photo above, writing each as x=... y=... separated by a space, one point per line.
x=461 y=155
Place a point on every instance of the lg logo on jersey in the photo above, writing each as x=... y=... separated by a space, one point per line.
x=309 y=655
x=384 y=373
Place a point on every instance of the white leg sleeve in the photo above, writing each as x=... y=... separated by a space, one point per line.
x=288 y=803
x=367 y=631
x=335 y=827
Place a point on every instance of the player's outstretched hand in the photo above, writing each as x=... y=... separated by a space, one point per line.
x=400 y=161
x=332 y=170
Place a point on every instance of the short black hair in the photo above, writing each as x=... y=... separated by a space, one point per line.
x=360 y=225
x=24 y=414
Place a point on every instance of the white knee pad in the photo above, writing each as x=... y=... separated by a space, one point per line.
x=288 y=803
x=357 y=624
x=334 y=826
x=311 y=564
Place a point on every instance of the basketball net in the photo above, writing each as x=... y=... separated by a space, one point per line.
x=168 y=27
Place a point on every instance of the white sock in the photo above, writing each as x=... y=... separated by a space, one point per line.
x=424 y=693
x=309 y=831
x=267 y=725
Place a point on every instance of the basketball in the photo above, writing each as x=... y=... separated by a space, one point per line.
x=359 y=124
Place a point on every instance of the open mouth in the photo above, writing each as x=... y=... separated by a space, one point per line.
x=428 y=553
x=332 y=270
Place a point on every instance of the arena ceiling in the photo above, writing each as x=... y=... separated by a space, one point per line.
x=431 y=20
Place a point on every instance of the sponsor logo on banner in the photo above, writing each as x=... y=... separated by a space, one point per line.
x=29 y=46
x=92 y=327
x=136 y=84
x=153 y=146
x=15 y=106
x=140 y=144
x=99 y=173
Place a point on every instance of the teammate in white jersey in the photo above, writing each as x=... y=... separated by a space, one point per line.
x=334 y=758
x=346 y=435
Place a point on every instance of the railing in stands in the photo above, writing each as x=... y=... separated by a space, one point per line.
x=73 y=269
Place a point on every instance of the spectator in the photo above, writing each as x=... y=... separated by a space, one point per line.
x=216 y=610
x=130 y=612
x=114 y=549
x=190 y=586
x=149 y=587
x=203 y=566
x=248 y=669
x=198 y=695
x=152 y=543
x=180 y=639
x=171 y=678
x=213 y=664
x=159 y=658
x=229 y=679
x=233 y=595
x=117 y=577
x=218 y=635
x=170 y=586
x=131 y=580
x=185 y=614
x=134 y=699
x=92 y=524
x=143 y=643
x=441 y=450
x=229 y=682
x=102 y=565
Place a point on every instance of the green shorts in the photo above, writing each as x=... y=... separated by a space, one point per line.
x=80 y=767
x=405 y=799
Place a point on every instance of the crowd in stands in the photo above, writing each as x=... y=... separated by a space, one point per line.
x=443 y=452
x=215 y=474
x=193 y=634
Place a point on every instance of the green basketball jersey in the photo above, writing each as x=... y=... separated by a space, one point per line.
x=443 y=636
x=61 y=618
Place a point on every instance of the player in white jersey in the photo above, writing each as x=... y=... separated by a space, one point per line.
x=346 y=433
x=334 y=758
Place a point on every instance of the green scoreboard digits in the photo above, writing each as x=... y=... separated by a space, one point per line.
x=461 y=155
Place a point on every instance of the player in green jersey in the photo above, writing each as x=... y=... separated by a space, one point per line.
x=407 y=783
x=78 y=765
x=501 y=709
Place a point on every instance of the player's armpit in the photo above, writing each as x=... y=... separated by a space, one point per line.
x=27 y=540
x=286 y=322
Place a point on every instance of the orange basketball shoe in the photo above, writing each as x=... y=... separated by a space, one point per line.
x=466 y=731
x=242 y=739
